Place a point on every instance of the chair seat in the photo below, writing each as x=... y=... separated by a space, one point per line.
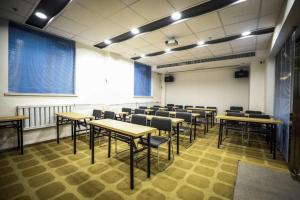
x=155 y=141
x=122 y=138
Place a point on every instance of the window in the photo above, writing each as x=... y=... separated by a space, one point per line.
x=39 y=63
x=142 y=79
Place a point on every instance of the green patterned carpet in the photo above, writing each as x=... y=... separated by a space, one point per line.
x=51 y=171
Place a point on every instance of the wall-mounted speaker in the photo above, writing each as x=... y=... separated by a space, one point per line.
x=169 y=78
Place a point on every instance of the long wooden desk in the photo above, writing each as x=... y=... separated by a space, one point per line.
x=17 y=123
x=132 y=130
x=175 y=121
x=272 y=122
x=73 y=118
x=211 y=111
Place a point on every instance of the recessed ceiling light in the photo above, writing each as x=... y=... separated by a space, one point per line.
x=167 y=50
x=200 y=43
x=135 y=31
x=143 y=56
x=107 y=41
x=239 y=1
x=176 y=15
x=40 y=15
x=246 y=33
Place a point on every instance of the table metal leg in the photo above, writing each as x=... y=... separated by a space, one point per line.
x=109 y=143
x=274 y=139
x=206 y=127
x=148 y=156
x=211 y=120
x=18 y=132
x=219 y=139
x=177 y=132
x=195 y=128
x=21 y=135
x=57 y=129
x=92 y=144
x=72 y=130
x=131 y=165
x=271 y=138
x=74 y=133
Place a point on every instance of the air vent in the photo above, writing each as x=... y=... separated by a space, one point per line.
x=205 y=60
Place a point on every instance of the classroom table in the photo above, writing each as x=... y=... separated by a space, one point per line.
x=272 y=122
x=122 y=115
x=207 y=110
x=132 y=130
x=175 y=121
x=17 y=123
x=67 y=117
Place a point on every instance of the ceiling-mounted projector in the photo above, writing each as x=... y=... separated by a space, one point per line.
x=171 y=42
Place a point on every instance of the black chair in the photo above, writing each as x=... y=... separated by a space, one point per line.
x=139 y=119
x=258 y=127
x=202 y=120
x=239 y=108
x=199 y=106
x=139 y=111
x=154 y=109
x=162 y=113
x=253 y=112
x=170 y=108
x=235 y=125
x=233 y=111
x=179 y=106
x=109 y=115
x=214 y=113
x=172 y=105
x=161 y=124
x=180 y=110
x=97 y=114
x=186 y=107
x=188 y=123
x=143 y=107
x=120 y=117
x=156 y=106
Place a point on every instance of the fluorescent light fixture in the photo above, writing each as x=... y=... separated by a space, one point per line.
x=167 y=50
x=246 y=33
x=135 y=31
x=142 y=55
x=107 y=41
x=176 y=16
x=40 y=15
x=200 y=43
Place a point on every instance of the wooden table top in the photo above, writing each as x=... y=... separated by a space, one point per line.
x=74 y=116
x=121 y=113
x=123 y=127
x=204 y=109
x=193 y=114
x=174 y=120
x=248 y=119
x=13 y=118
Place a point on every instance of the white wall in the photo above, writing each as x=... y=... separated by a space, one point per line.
x=257 y=86
x=211 y=87
x=270 y=86
x=101 y=78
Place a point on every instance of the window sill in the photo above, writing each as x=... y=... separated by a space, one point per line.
x=42 y=95
x=143 y=97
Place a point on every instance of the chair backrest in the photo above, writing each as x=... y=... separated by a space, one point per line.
x=156 y=106
x=143 y=107
x=236 y=108
x=179 y=106
x=161 y=123
x=201 y=112
x=126 y=110
x=259 y=116
x=139 y=119
x=139 y=111
x=211 y=107
x=180 y=110
x=235 y=114
x=170 y=105
x=184 y=115
x=186 y=107
x=233 y=111
x=162 y=113
x=170 y=108
x=109 y=115
x=97 y=114
x=199 y=106
x=253 y=112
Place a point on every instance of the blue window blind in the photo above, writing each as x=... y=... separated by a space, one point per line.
x=39 y=62
x=142 y=79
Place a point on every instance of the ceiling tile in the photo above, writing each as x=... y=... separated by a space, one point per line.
x=187 y=40
x=154 y=9
x=240 y=12
x=248 y=41
x=180 y=4
x=23 y=7
x=200 y=52
x=59 y=32
x=68 y=25
x=211 y=34
x=267 y=21
x=129 y=2
x=220 y=49
x=103 y=7
x=176 y=30
x=154 y=37
x=102 y=30
x=185 y=55
x=269 y=7
x=240 y=27
x=243 y=49
x=128 y=19
x=81 y=14
x=263 y=41
x=83 y=40
x=204 y=22
x=136 y=42
x=149 y=49
x=11 y=16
